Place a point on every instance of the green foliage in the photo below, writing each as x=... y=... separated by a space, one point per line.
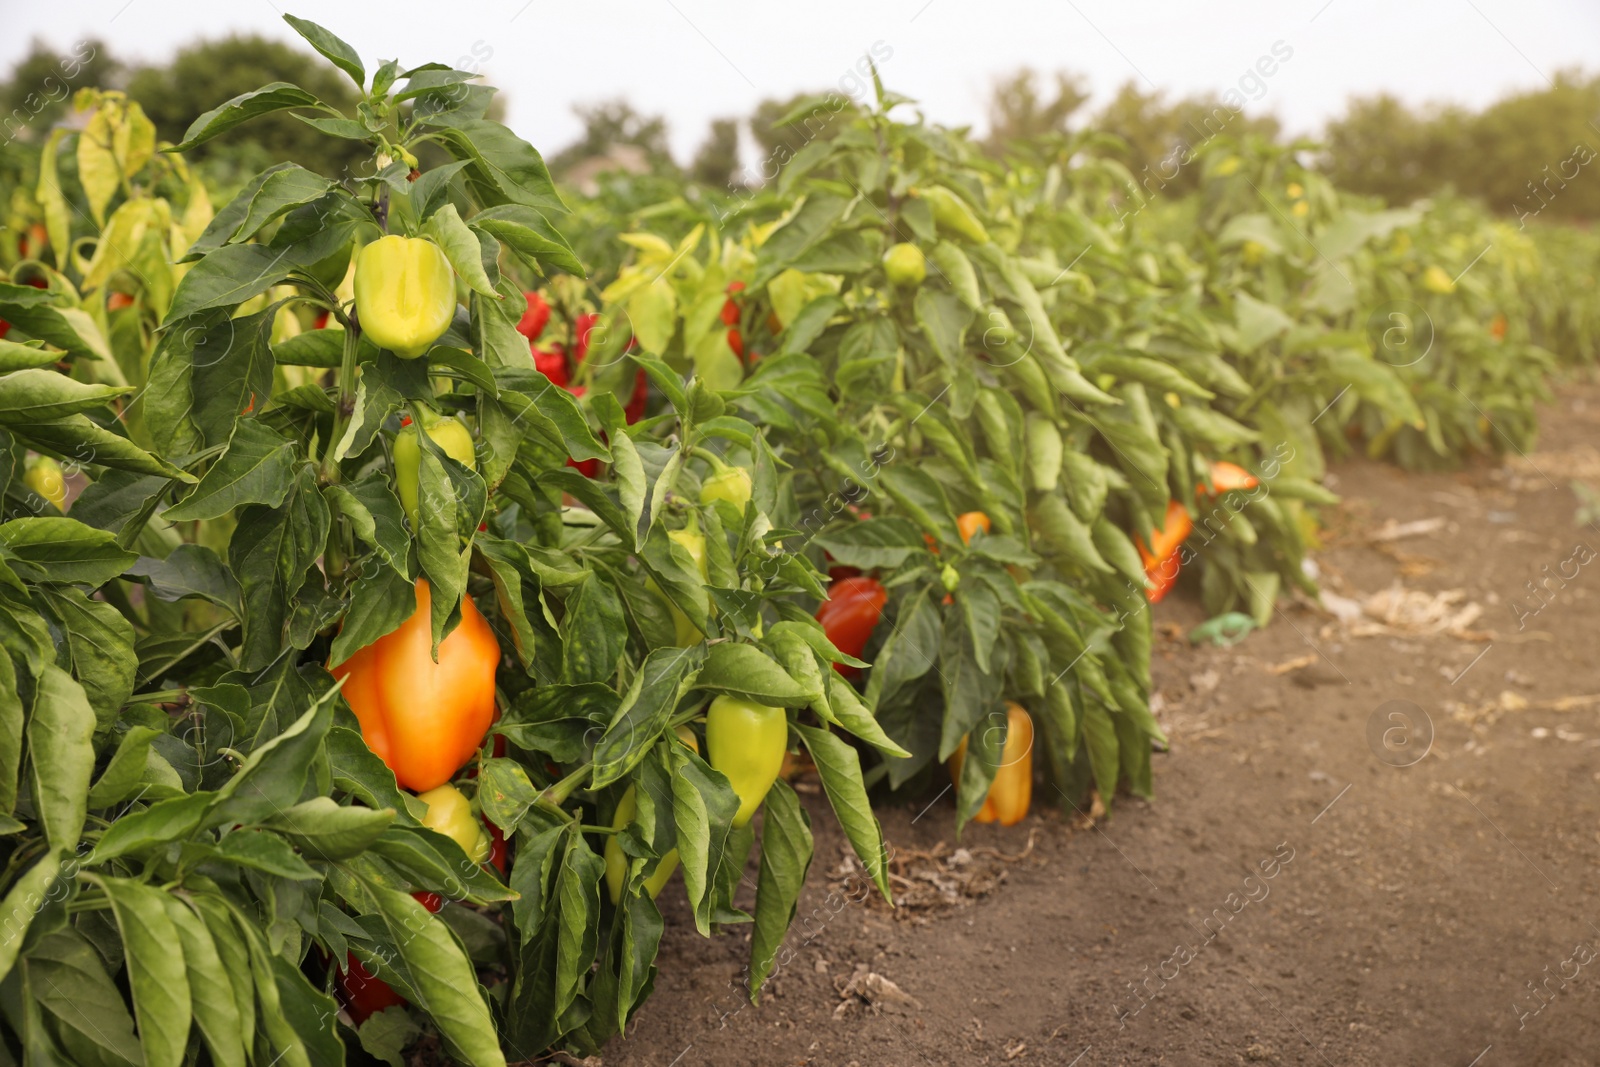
x=198 y=845
x=174 y=94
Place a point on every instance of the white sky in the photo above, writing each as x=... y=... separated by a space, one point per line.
x=695 y=60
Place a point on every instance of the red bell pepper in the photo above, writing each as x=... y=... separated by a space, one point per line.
x=533 y=320
x=849 y=616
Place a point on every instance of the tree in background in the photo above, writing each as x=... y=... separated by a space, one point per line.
x=1530 y=151
x=176 y=93
x=609 y=124
x=1525 y=154
x=39 y=91
x=1159 y=135
x=1018 y=109
x=718 y=157
x=1383 y=148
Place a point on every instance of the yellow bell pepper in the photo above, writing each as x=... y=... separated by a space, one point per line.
x=405 y=294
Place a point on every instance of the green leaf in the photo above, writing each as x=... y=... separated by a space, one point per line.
x=100 y=645
x=274 y=96
x=284 y=188
x=839 y=767
x=873 y=543
x=852 y=715
x=257 y=468
x=435 y=862
x=12 y=718
x=78 y=437
x=61 y=751
x=944 y=320
x=527 y=233
x=48 y=549
x=211 y=988
x=375 y=516
x=703 y=807
x=502 y=168
x=45 y=395
x=380 y=601
x=662 y=679
x=358 y=770
x=256 y=850
x=443 y=979
x=274 y=776
x=156 y=974
x=923 y=499
x=190 y=571
x=578 y=894
x=910 y=651
x=746 y=671
x=594 y=634
x=326 y=830
x=17 y=356
x=333 y=49
x=235 y=273
x=461 y=248
x=1100 y=738
x=270 y=552
x=985 y=748
x=22 y=904
x=68 y=976
x=1257 y=321
x=786 y=848
x=122 y=777
x=162 y=822
x=504 y=793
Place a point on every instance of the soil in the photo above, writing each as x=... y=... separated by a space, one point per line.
x=1323 y=877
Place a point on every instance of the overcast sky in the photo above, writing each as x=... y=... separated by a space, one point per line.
x=695 y=60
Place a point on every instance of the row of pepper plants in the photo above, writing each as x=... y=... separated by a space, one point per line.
x=391 y=607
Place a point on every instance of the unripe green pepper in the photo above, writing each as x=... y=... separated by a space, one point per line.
x=450 y=813
x=450 y=435
x=405 y=294
x=905 y=265
x=952 y=214
x=44 y=477
x=746 y=742
x=693 y=542
x=731 y=484
x=617 y=860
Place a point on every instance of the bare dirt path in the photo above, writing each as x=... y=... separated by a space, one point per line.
x=1441 y=912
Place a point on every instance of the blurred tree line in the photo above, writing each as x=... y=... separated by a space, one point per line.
x=1528 y=153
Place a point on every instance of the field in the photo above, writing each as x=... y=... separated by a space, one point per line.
x=951 y=598
x=1420 y=900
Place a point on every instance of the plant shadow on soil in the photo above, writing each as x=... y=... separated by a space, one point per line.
x=1440 y=912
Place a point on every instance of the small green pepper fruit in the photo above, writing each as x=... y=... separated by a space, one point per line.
x=405 y=294
x=905 y=265
x=731 y=484
x=950 y=578
x=746 y=742
x=449 y=434
x=952 y=214
x=617 y=860
x=693 y=542
x=450 y=813
x=44 y=477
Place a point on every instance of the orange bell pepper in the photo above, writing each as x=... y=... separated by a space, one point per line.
x=425 y=719
x=1160 y=557
x=1012 y=789
x=1226 y=477
x=970 y=522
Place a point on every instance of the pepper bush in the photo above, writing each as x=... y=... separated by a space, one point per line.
x=643 y=481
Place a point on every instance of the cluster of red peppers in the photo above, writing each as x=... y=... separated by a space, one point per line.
x=558 y=364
